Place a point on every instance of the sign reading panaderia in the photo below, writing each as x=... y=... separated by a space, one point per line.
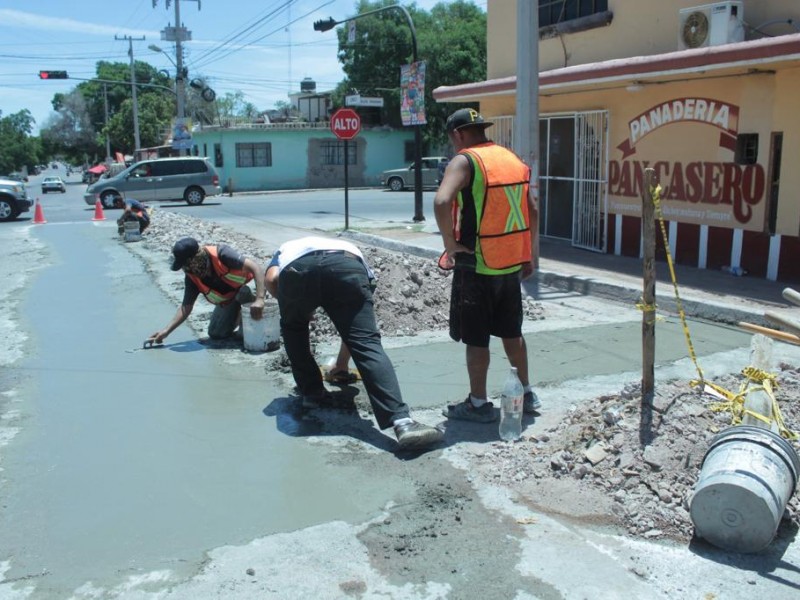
x=686 y=141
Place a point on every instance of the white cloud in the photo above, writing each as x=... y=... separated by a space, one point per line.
x=24 y=20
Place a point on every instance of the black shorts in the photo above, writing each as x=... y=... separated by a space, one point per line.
x=485 y=305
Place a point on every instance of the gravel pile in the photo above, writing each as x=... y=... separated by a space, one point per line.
x=413 y=294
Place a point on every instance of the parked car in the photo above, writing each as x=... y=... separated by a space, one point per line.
x=53 y=184
x=188 y=178
x=400 y=179
x=18 y=176
x=13 y=199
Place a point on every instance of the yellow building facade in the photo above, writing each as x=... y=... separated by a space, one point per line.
x=705 y=94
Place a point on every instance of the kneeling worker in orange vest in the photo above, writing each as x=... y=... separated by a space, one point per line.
x=221 y=274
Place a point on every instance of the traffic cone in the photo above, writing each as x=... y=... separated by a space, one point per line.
x=98 y=212
x=38 y=214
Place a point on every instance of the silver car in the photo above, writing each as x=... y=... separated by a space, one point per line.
x=187 y=178
x=400 y=179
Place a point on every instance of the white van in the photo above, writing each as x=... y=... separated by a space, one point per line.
x=187 y=178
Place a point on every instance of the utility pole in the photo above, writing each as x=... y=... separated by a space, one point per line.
x=108 y=139
x=178 y=34
x=526 y=130
x=180 y=83
x=136 y=141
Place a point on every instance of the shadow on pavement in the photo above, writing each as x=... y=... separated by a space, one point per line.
x=341 y=418
x=768 y=563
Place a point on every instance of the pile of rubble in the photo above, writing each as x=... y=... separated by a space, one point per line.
x=597 y=454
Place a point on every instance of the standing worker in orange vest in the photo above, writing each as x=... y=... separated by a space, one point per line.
x=489 y=222
x=221 y=274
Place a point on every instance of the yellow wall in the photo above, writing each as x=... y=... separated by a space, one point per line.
x=639 y=28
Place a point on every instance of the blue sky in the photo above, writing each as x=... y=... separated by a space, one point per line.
x=262 y=47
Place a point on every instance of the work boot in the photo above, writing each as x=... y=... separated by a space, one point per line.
x=415 y=435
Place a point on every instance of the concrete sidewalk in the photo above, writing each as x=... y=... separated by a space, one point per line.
x=704 y=293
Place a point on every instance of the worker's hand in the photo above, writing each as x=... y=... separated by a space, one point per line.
x=257 y=308
x=527 y=270
x=448 y=259
x=157 y=337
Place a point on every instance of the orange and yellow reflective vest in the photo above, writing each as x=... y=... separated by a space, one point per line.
x=500 y=192
x=236 y=278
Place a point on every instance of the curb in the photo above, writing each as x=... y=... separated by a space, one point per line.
x=696 y=308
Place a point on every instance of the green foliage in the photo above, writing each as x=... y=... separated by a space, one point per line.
x=78 y=128
x=451 y=39
x=17 y=148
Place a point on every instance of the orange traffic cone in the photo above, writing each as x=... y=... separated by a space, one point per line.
x=98 y=212
x=38 y=214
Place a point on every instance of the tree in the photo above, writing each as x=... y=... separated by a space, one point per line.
x=156 y=103
x=234 y=106
x=69 y=131
x=155 y=116
x=451 y=39
x=17 y=148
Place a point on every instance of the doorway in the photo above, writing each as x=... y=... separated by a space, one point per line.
x=573 y=178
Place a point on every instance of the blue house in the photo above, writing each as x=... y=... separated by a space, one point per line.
x=299 y=155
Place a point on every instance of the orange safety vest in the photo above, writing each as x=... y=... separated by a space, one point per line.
x=500 y=192
x=236 y=278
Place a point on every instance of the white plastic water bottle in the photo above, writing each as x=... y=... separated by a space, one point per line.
x=511 y=408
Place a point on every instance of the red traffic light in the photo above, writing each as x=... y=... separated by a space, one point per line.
x=53 y=75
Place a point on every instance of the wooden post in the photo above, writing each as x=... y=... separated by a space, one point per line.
x=648 y=302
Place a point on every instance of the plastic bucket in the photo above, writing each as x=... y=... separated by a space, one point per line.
x=261 y=335
x=747 y=477
x=131 y=231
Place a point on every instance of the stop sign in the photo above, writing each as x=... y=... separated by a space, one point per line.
x=345 y=123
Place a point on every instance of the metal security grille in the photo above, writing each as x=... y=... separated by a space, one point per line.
x=591 y=183
x=573 y=174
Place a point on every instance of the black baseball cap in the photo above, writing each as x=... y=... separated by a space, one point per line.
x=466 y=117
x=183 y=250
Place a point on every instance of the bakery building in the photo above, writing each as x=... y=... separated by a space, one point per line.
x=706 y=95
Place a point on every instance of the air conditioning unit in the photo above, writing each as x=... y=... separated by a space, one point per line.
x=710 y=25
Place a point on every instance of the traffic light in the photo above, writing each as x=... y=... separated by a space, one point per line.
x=53 y=75
x=324 y=24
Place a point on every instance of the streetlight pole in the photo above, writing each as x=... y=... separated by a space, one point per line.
x=330 y=23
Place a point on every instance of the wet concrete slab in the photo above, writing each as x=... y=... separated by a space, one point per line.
x=132 y=460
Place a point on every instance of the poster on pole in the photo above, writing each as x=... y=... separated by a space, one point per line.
x=412 y=94
x=182 y=134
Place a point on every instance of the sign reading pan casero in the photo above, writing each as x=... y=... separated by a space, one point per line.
x=705 y=192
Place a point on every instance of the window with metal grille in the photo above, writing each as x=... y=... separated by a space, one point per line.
x=254 y=155
x=746 y=149
x=552 y=12
x=333 y=153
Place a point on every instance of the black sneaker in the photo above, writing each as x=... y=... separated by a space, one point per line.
x=466 y=411
x=416 y=435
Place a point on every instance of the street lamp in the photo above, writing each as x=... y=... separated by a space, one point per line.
x=330 y=23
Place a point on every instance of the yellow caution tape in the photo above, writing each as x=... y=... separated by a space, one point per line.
x=656 y=195
x=755 y=380
x=734 y=402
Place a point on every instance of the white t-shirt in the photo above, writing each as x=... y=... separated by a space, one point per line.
x=294 y=249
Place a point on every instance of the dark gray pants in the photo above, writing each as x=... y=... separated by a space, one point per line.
x=338 y=283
